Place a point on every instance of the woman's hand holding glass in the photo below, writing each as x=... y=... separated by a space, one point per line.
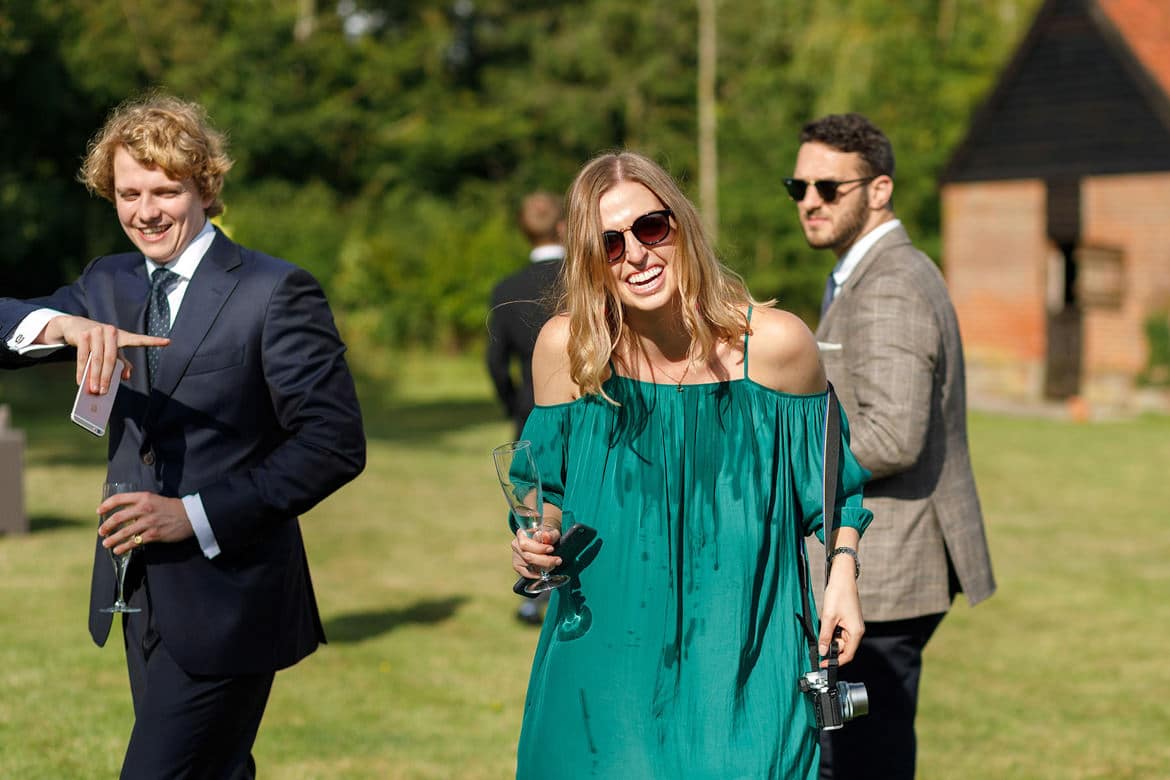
x=532 y=550
x=535 y=536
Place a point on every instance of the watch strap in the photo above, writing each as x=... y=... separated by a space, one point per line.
x=852 y=554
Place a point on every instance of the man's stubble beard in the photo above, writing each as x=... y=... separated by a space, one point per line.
x=847 y=233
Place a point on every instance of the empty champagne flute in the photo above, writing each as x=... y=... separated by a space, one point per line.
x=520 y=481
x=123 y=560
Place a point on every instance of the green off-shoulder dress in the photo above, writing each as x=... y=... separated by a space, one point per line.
x=675 y=652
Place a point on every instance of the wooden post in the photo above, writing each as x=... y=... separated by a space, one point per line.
x=708 y=122
x=306 y=20
x=12 y=517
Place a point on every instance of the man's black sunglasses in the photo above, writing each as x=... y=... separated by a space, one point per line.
x=826 y=188
x=650 y=229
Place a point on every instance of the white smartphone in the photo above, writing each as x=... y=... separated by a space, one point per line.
x=91 y=411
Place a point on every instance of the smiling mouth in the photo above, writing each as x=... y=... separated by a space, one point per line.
x=153 y=231
x=644 y=277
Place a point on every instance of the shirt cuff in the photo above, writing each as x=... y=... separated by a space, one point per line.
x=198 y=517
x=22 y=339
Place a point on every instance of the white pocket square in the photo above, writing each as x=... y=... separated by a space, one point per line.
x=828 y=346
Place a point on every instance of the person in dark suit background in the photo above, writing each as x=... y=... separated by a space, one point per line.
x=520 y=305
x=891 y=347
x=245 y=420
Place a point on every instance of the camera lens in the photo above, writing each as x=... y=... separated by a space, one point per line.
x=854 y=700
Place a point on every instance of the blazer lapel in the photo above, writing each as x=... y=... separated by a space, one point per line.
x=131 y=290
x=894 y=238
x=206 y=294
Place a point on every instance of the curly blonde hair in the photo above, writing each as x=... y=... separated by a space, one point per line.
x=712 y=295
x=160 y=131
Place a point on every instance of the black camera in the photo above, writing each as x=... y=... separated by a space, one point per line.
x=834 y=705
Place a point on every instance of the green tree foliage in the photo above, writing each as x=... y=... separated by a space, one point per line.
x=386 y=145
x=45 y=116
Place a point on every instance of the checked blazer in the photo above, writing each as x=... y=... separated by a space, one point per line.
x=891 y=347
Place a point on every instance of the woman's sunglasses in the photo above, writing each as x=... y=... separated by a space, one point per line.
x=650 y=229
x=826 y=188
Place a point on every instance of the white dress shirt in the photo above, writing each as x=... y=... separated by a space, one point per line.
x=540 y=254
x=846 y=264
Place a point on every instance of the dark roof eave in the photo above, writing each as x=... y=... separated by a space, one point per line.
x=983 y=116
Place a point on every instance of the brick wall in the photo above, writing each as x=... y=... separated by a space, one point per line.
x=1130 y=213
x=995 y=256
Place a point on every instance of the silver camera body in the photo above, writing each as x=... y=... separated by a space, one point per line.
x=834 y=705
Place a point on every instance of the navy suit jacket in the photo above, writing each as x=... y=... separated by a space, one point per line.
x=521 y=304
x=254 y=409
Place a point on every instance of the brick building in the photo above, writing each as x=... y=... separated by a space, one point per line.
x=1056 y=207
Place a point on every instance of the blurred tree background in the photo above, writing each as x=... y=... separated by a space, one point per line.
x=385 y=144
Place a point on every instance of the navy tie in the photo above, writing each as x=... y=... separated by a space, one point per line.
x=830 y=292
x=158 y=315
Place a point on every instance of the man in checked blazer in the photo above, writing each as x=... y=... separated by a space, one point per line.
x=890 y=344
x=245 y=420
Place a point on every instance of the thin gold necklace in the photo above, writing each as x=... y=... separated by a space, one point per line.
x=678 y=382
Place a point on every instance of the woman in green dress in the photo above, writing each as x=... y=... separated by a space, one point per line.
x=685 y=422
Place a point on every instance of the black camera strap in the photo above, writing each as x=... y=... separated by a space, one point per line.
x=831 y=459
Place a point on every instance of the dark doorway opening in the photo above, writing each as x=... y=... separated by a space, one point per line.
x=1062 y=367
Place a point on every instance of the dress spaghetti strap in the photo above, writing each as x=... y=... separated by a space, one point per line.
x=745 y=341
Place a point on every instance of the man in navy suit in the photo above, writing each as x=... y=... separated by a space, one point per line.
x=521 y=305
x=244 y=420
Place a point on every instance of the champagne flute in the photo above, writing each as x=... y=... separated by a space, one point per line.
x=520 y=481
x=120 y=561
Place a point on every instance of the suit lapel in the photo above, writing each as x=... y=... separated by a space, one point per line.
x=894 y=238
x=206 y=294
x=131 y=290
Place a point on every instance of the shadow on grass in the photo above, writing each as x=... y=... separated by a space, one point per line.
x=358 y=626
x=409 y=422
x=41 y=523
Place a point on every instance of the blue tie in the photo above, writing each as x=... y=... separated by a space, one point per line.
x=158 y=315
x=830 y=292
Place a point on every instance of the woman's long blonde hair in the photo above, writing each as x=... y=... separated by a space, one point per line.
x=712 y=296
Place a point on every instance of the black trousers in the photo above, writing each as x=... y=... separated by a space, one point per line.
x=881 y=744
x=185 y=726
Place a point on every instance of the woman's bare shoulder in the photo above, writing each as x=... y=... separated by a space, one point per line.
x=551 y=382
x=783 y=353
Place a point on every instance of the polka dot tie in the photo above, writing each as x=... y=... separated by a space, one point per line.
x=158 y=315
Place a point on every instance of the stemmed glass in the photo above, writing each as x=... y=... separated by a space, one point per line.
x=520 y=481
x=123 y=560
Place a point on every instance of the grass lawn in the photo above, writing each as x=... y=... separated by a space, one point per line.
x=1060 y=675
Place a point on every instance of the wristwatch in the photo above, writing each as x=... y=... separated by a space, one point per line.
x=852 y=554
